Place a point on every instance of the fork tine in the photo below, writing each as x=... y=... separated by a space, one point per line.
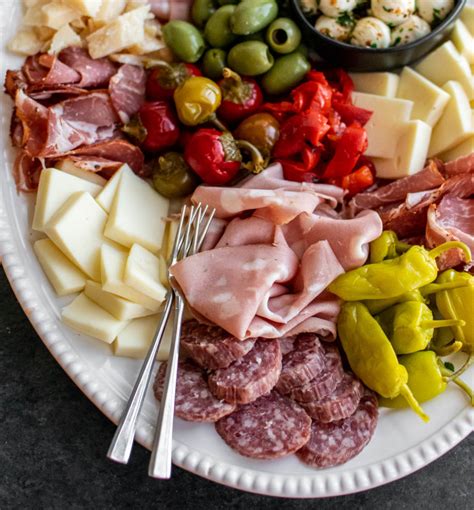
x=178 y=238
x=205 y=230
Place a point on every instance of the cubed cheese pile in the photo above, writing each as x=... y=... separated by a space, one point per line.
x=105 y=240
x=105 y=27
x=425 y=111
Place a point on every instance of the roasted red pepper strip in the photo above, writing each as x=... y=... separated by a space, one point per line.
x=294 y=171
x=310 y=158
x=350 y=113
x=358 y=181
x=342 y=85
x=349 y=148
x=312 y=96
x=300 y=129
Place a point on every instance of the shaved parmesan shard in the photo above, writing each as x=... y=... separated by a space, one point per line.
x=25 y=42
x=64 y=38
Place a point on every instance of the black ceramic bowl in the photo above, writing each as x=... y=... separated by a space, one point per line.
x=356 y=58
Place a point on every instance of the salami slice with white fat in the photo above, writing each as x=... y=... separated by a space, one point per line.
x=324 y=383
x=340 y=404
x=337 y=442
x=211 y=347
x=251 y=376
x=269 y=428
x=302 y=364
x=194 y=401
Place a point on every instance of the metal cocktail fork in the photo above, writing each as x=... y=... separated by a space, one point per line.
x=189 y=238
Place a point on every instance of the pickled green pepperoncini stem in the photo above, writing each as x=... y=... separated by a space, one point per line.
x=448 y=376
x=436 y=252
x=406 y=393
x=448 y=349
x=445 y=323
x=433 y=288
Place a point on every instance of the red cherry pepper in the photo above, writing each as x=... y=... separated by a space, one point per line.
x=165 y=78
x=240 y=97
x=213 y=155
x=155 y=127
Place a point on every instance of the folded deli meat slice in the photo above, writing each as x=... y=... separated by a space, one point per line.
x=127 y=91
x=461 y=165
x=266 y=275
x=451 y=220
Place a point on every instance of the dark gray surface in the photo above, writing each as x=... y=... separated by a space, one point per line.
x=53 y=444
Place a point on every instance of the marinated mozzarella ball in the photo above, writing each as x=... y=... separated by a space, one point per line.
x=309 y=7
x=371 y=32
x=332 y=28
x=434 y=10
x=412 y=29
x=334 y=8
x=393 y=12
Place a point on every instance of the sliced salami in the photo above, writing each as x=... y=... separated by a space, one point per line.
x=340 y=404
x=324 y=383
x=302 y=364
x=251 y=376
x=194 y=401
x=212 y=347
x=271 y=427
x=337 y=442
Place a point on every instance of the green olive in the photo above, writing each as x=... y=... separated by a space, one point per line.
x=172 y=176
x=287 y=72
x=201 y=11
x=250 y=58
x=251 y=16
x=258 y=36
x=213 y=63
x=184 y=40
x=217 y=30
x=303 y=49
x=283 y=35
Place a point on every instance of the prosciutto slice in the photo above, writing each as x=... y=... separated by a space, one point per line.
x=45 y=70
x=460 y=166
x=451 y=220
x=266 y=276
x=127 y=91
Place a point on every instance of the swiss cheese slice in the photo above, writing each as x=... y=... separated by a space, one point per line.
x=467 y=17
x=55 y=187
x=113 y=261
x=463 y=40
x=77 y=230
x=122 y=309
x=143 y=273
x=137 y=214
x=380 y=84
x=63 y=275
x=106 y=197
x=87 y=317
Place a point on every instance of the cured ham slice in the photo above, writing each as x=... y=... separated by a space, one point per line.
x=44 y=69
x=26 y=172
x=429 y=178
x=461 y=165
x=34 y=118
x=127 y=91
x=451 y=220
x=92 y=72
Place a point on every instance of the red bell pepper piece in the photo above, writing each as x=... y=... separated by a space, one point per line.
x=294 y=171
x=350 y=113
x=342 y=84
x=213 y=155
x=310 y=158
x=312 y=96
x=240 y=97
x=358 y=181
x=300 y=129
x=349 y=148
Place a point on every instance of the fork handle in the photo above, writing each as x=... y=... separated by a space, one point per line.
x=160 y=461
x=122 y=442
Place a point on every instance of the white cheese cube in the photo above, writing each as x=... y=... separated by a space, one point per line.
x=455 y=124
x=412 y=149
x=85 y=7
x=68 y=166
x=63 y=275
x=137 y=214
x=385 y=126
x=381 y=84
x=106 y=197
x=122 y=309
x=77 y=229
x=143 y=273
x=64 y=38
x=135 y=340
x=463 y=40
x=467 y=17
x=463 y=149
x=25 y=42
x=85 y=316
x=126 y=30
x=113 y=261
x=56 y=15
x=55 y=187
x=110 y=9
x=444 y=64
x=429 y=100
